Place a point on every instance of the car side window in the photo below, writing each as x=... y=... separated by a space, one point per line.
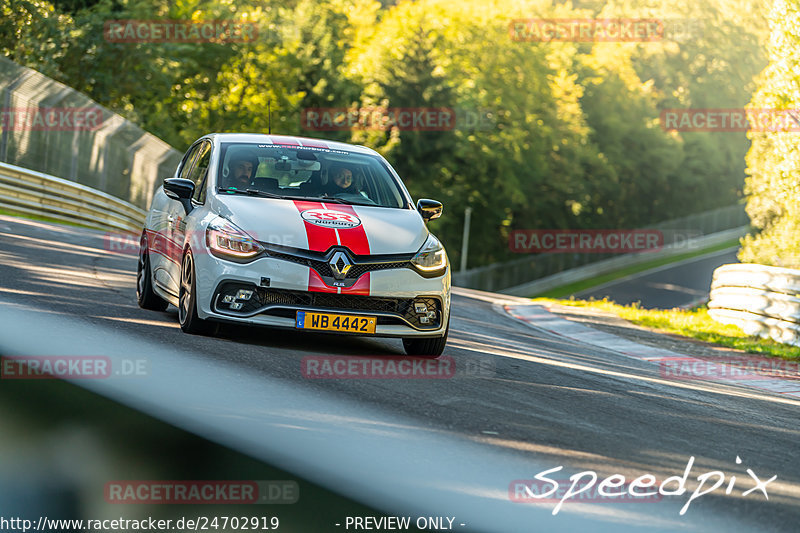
x=199 y=172
x=188 y=159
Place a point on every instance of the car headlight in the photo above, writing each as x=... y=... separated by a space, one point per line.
x=227 y=241
x=431 y=260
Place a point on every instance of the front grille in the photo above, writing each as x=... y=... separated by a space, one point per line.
x=348 y=302
x=320 y=264
x=358 y=269
x=264 y=297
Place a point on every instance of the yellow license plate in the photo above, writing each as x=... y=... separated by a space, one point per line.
x=329 y=322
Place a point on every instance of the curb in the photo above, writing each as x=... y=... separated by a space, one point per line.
x=539 y=317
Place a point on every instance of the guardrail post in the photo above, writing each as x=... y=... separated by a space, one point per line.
x=465 y=239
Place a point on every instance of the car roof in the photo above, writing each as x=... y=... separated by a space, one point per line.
x=263 y=138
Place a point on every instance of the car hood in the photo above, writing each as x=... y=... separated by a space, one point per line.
x=317 y=226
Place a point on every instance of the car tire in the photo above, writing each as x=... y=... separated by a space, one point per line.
x=430 y=347
x=145 y=296
x=187 y=301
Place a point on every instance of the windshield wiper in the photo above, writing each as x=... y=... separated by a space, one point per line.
x=332 y=199
x=317 y=199
x=256 y=192
x=327 y=199
x=249 y=192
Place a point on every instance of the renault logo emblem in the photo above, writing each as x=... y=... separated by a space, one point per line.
x=340 y=264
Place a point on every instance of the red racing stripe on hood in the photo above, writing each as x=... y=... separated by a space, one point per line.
x=355 y=239
x=319 y=238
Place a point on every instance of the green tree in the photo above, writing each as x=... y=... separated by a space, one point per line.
x=773 y=162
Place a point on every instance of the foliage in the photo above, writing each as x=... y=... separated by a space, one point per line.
x=570 y=135
x=773 y=161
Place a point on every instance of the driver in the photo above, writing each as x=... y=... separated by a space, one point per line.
x=241 y=169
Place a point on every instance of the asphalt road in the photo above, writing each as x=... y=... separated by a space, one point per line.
x=677 y=285
x=545 y=399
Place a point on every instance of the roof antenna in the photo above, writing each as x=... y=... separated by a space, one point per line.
x=269 y=114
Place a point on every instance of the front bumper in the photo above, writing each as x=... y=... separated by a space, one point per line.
x=281 y=288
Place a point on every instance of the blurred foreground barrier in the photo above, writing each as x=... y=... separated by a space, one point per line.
x=762 y=300
x=32 y=192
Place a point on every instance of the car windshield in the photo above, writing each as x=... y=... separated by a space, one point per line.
x=303 y=172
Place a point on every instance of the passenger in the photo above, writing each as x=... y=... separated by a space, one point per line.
x=343 y=181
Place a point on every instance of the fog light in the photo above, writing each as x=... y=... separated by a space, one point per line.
x=420 y=309
x=244 y=294
x=236 y=306
x=424 y=320
x=228 y=299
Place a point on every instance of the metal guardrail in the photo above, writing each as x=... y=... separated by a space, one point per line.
x=762 y=300
x=606 y=266
x=30 y=192
x=515 y=274
x=114 y=155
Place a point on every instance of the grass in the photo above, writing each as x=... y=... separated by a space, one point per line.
x=566 y=290
x=692 y=323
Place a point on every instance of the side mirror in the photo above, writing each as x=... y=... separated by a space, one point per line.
x=429 y=209
x=181 y=190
